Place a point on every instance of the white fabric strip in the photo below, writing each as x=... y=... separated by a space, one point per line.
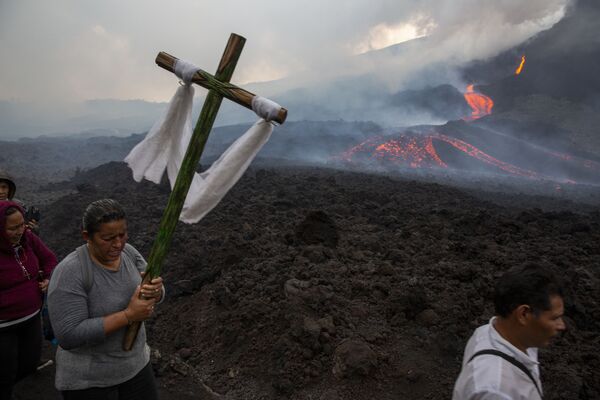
x=166 y=143
x=265 y=108
x=185 y=70
x=209 y=187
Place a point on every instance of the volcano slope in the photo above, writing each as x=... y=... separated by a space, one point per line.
x=310 y=283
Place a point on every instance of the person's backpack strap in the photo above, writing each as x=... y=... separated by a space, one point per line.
x=130 y=252
x=511 y=360
x=86 y=271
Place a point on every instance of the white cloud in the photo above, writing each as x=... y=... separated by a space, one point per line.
x=384 y=35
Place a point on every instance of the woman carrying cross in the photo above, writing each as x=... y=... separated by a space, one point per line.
x=94 y=295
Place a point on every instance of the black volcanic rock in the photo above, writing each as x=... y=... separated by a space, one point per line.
x=318 y=228
x=254 y=316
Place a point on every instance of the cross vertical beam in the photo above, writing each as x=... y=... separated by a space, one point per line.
x=195 y=148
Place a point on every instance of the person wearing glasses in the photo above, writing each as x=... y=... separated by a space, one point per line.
x=25 y=267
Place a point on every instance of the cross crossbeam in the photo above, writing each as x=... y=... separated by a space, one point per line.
x=225 y=89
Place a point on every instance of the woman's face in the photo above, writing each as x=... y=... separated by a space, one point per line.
x=14 y=228
x=4 y=190
x=108 y=242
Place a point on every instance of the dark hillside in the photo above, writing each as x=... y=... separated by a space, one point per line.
x=310 y=283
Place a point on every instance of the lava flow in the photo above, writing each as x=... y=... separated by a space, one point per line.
x=429 y=150
x=520 y=67
x=585 y=163
x=486 y=158
x=414 y=151
x=418 y=151
x=480 y=104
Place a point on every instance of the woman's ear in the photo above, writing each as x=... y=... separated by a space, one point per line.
x=85 y=235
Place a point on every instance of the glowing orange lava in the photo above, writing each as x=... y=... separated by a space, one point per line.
x=480 y=104
x=412 y=151
x=520 y=67
x=484 y=157
x=418 y=151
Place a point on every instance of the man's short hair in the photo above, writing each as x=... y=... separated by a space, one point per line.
x=529 y=284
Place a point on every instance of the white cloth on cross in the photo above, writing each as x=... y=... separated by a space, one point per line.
x=166 y=143
x=185 y=70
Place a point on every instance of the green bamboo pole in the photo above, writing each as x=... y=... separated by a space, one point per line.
x=225 y=89
x=186 y=173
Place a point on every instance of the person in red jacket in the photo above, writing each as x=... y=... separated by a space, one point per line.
x=25 y=267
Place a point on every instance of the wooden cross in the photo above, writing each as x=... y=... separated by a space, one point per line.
x=219 y=87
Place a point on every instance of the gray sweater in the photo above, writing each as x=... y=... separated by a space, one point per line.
x=87 y=357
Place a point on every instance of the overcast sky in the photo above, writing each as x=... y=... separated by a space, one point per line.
x=76 y=50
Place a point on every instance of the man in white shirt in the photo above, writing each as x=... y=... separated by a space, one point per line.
x=500 y=360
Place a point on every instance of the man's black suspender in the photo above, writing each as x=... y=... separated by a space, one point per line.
x=511 y=360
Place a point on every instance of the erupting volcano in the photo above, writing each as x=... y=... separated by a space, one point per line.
x=480 y=104
x=520 y=67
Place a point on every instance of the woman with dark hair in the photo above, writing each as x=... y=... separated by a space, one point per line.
x=25 y=267
x=93 y=297
x=8 y=188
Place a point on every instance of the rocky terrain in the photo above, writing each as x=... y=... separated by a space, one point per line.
x=309 y=283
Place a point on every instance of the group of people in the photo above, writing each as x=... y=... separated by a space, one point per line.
x=93 y=295
x=96 y=292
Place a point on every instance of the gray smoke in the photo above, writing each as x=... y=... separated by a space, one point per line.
x=85 y=51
